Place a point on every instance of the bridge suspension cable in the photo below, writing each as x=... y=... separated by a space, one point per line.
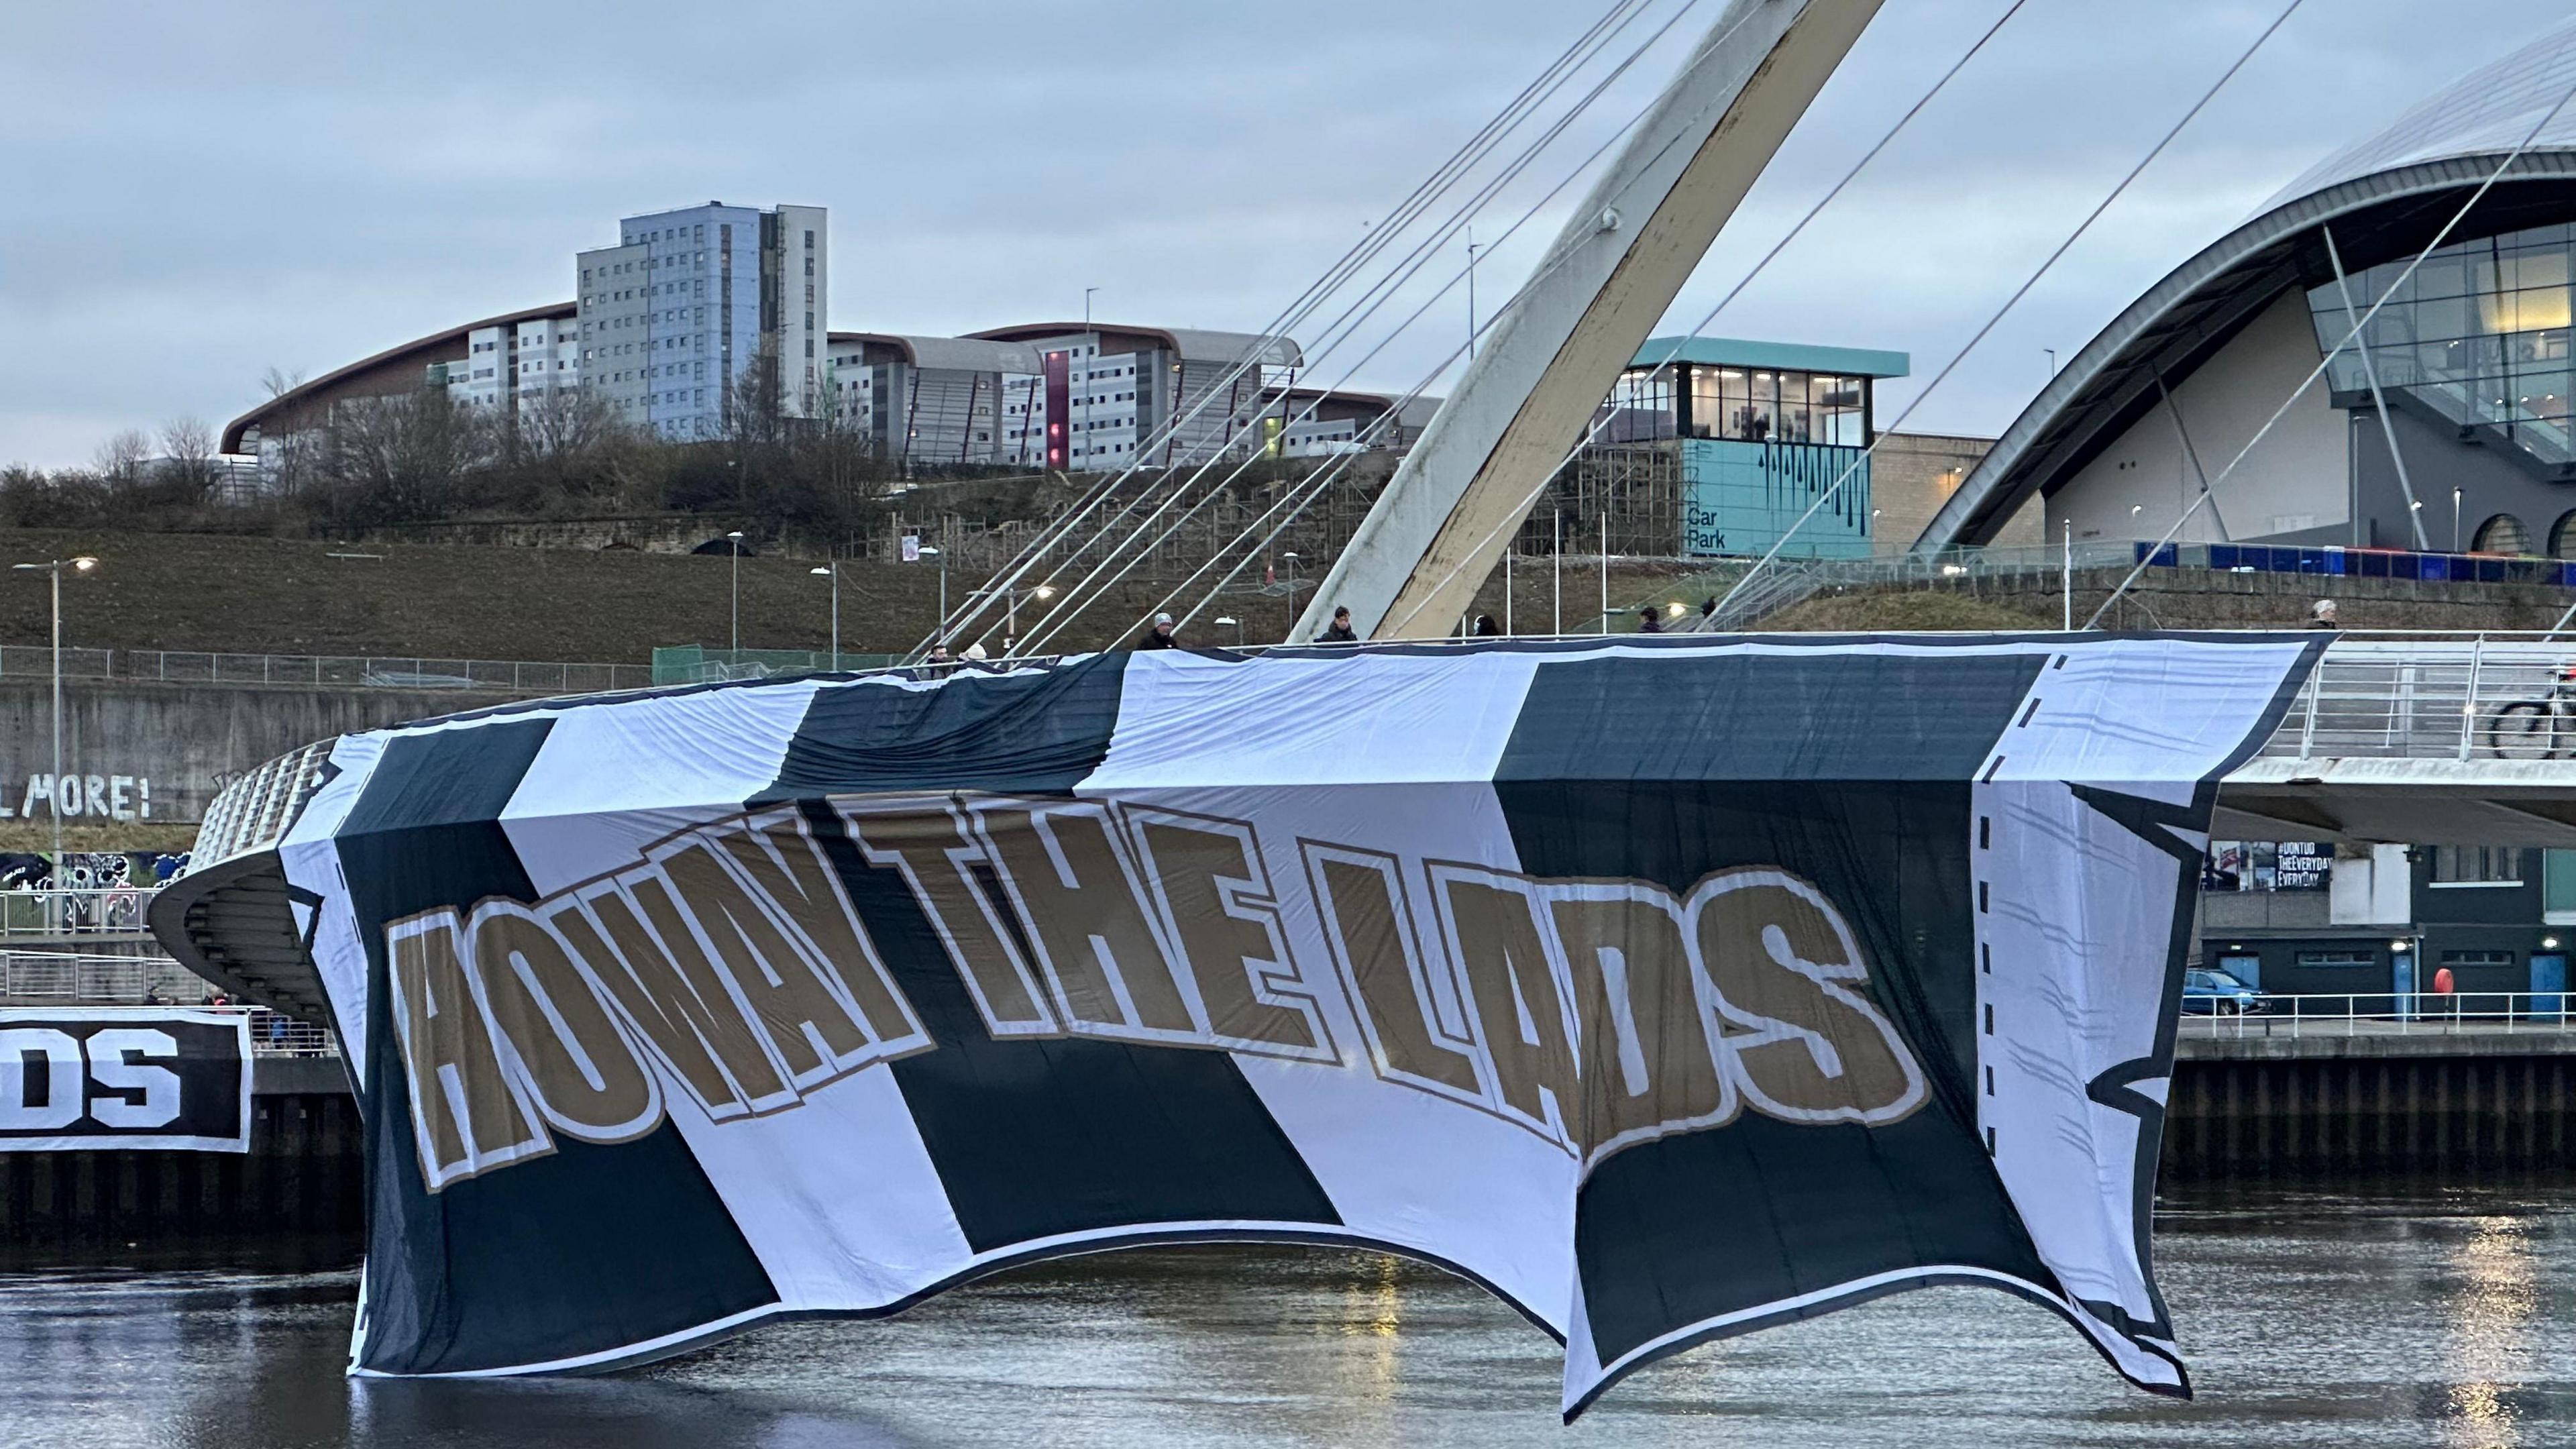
x=2208 y=489
x=1596 y=41
x=1700 y=327
x=1378 y=296
x=1292 y=507
x=2116 y=192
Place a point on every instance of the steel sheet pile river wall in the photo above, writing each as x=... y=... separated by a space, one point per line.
x=1667 y=988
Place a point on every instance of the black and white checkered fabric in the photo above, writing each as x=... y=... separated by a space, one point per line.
x=1668 y=988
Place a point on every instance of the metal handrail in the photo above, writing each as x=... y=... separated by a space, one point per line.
x=118 y=983
x=87 y=911
x=2481 y=697
x=176 y=666
x=75 y=976
x=2386 y=1013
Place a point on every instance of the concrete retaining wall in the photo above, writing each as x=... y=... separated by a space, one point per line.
x=160 y=751
x=2203 y=599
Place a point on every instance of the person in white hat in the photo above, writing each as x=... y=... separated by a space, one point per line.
x=1160 y=636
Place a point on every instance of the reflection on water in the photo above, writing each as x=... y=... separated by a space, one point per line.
x=2490 y=1330
x=2381 y=1315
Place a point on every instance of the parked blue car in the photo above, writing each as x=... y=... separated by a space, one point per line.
x=2210 y=992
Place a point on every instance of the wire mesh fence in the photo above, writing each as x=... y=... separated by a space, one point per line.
x=176 y=666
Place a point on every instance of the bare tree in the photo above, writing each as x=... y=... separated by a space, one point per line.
x=277 y=382
x=188 y=468
x=391 y=459
x=570 y=438
x=120 y=459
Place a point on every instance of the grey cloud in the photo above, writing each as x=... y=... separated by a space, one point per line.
x=201 y=190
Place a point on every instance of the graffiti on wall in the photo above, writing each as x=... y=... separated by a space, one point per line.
x=84 y=797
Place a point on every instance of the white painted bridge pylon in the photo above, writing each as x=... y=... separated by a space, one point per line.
x=1444 y=520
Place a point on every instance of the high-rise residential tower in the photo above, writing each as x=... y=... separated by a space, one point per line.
x=685 y=306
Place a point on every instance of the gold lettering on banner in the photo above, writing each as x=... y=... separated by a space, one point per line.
x=930 y=844
x=1220 y=910
x=605 y=932
x=1608 y=1013
x=682 y=978
x=813 y=1027
x=1807 y=1048
x=1079 y=902
x=788 y=872
x=1494 y=934
x=557 y=1033
x=1360 y=897
x=467 y=1115
x=725 y=969
x=1649 y=1064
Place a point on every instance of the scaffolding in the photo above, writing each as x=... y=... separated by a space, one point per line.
x=1623 y=499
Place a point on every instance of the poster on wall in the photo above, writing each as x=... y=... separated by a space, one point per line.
x=2263 y=865
x=85 y=1079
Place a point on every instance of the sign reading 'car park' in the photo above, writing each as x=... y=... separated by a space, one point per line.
x=89 y=1079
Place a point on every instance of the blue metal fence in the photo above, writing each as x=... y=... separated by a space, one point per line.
x=2364 y=563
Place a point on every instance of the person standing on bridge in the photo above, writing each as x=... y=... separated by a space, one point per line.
x=2323 y=615
x=1159 y=636
x=1340 y=632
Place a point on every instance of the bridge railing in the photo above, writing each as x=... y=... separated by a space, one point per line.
x=68 y=977
x=2386 y=1013
x=115 y=911
x=54 y=978
x=2395 y=696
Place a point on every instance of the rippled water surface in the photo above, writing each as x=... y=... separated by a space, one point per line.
x=2365 y=1316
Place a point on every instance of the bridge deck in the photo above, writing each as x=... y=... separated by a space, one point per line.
x=2410 y=739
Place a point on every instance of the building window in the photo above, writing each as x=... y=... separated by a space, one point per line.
x=2338 y=960
x=2477 y=958
x=2503 y=534
x=2465 y=865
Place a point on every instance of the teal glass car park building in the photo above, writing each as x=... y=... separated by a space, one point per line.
x=1763 y=430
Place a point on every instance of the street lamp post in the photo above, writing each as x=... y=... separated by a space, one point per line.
x=2455 y=520
x=54 y=786
x=733 y=542
x=1011 y=613
x=1225 y=619
x=1290 y=559
x=832 y=571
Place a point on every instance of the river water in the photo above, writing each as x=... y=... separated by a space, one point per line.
x=2371 y=1315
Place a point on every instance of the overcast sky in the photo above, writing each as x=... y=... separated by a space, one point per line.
x=198 y=191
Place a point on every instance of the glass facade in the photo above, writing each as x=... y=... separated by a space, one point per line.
x=1745 y=404
x=2479 y=337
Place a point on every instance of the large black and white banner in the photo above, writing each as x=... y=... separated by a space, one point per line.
x=1669 y=988
x=76 y=1079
